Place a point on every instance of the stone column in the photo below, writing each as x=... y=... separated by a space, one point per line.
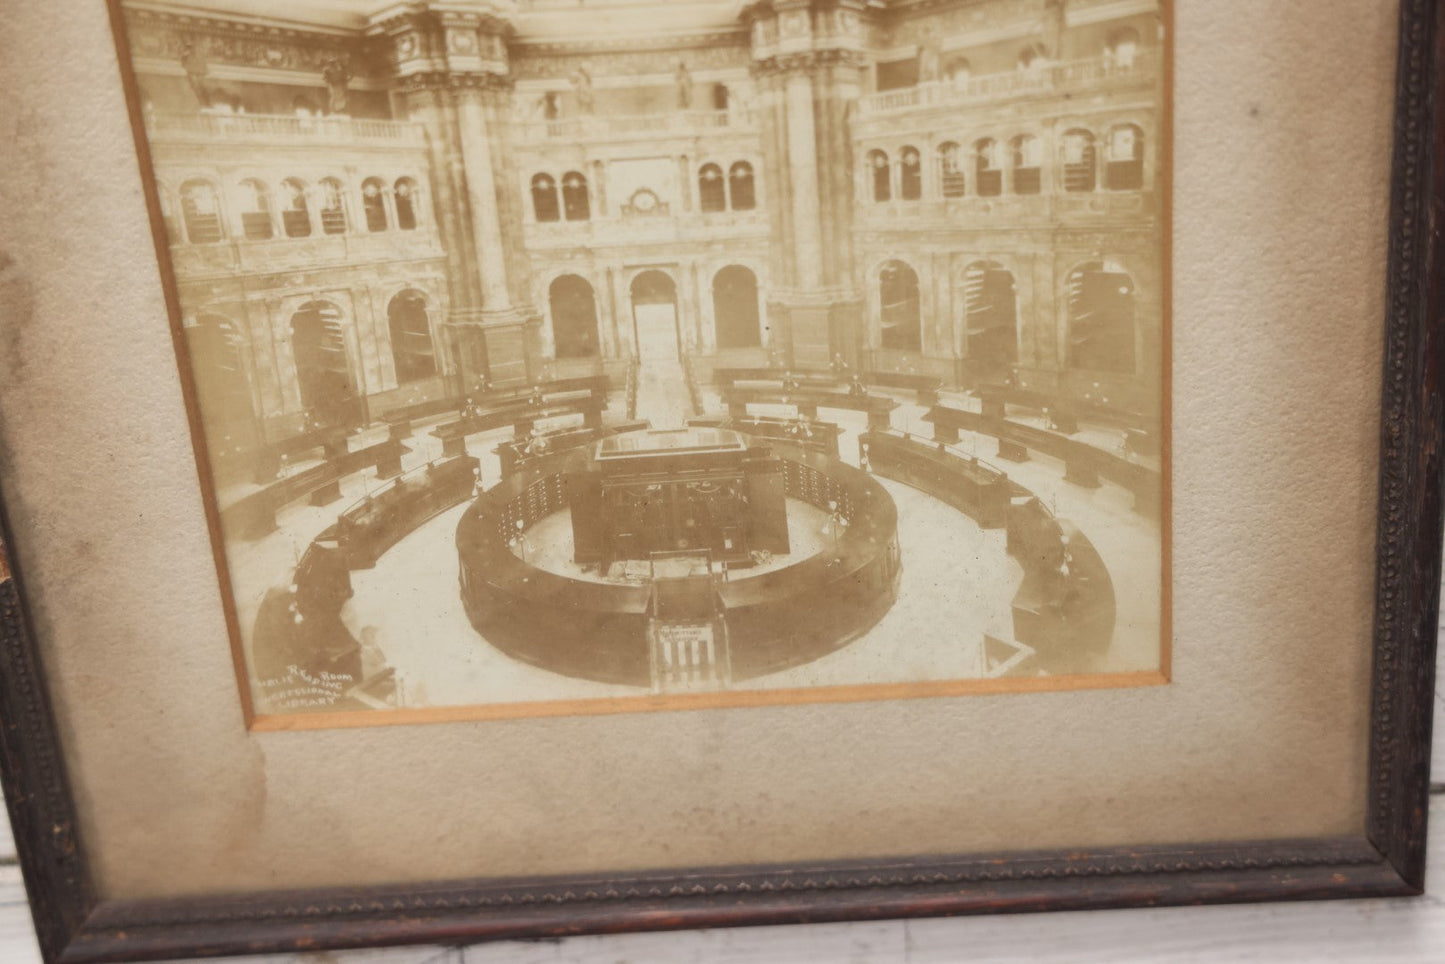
x=942 y=305
x=602 y=305
x=621 y=318
x=803 y=174
x=699 y=339
x=928 y=161
x=685 y=185
x=482 y=192
x=315 y=197
x=599 y=188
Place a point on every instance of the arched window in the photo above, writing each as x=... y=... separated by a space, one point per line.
x=373 y=204
x=1101 y=317
x=910 y=175
x=574 y=317
x=1027 y=154
x=740 y=183
x=295 y=213
x=333 y=206
x=255 y=199
x=988 y=172
x=735 y=308
x=882 y=177
x=544 y=199
x=898 y=307
x=222 y=386
x=318 y=346
x=1122 y=53
x=201 y=210
x=711 y=194
x=950 y=170
x=407 y=198
x=1124 y=159
x=411 y=343
x=1080 y=165
x=958 y=71
x=990 y=313
x=575 y=205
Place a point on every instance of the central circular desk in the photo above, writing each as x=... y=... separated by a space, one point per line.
x=607 y=631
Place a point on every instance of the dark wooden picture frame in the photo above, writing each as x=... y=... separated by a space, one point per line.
x=1386 y=859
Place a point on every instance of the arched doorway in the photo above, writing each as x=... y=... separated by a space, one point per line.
x=222 y=387
x=735 y=308
x=318 y=345
x=574 y=317
x=898 y=308
x=654 y=317
x=1101 y=317
x=990 y=315
x=412 y=349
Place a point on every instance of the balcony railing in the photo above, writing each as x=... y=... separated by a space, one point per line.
x=632 y=125
x=1008 y=210
x=283 y=128
x=1070 y=75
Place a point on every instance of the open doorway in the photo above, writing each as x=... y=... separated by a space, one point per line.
x=654 y=317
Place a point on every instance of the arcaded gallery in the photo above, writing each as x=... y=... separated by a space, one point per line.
x=547 y=351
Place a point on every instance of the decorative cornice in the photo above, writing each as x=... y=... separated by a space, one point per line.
x=451 y=80
x=141 y=12
x=165 y=35
x=584 y=46
x=806 y=61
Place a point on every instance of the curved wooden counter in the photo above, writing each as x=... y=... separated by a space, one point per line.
x=599 y=631
x=1064 y=609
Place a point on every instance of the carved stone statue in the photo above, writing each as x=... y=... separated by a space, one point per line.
x=928 y=64
x=582 y=81
x=337 y=75
x=194 y=64
x=684 y=87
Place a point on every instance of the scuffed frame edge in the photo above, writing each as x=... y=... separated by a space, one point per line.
x=73 y=925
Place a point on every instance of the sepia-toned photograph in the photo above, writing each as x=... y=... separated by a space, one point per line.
x=577 y=356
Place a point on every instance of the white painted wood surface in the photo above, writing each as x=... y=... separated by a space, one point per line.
x=1410 y=931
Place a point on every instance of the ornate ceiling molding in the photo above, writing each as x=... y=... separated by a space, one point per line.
x=167 y=35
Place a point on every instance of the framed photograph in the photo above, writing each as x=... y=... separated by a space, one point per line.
x=507 y=468
x=579 y=375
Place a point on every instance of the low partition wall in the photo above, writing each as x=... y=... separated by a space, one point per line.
x=976 y=489
x=517 y=453
x=253 y=515
x=382 y=519
x=599 y=631
x=1064 y=609
x=303 y=655
x=813 y=435
x=521 y=417
x=1084 y=464
x=807 y=402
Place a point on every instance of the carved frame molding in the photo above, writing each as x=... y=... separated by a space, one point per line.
x=1387 y=858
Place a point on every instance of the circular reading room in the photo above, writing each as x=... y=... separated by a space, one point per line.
x=804 y=349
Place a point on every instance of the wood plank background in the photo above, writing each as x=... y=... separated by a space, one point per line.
x=1380 y=931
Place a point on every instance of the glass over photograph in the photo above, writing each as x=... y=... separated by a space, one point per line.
x=576 y=356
